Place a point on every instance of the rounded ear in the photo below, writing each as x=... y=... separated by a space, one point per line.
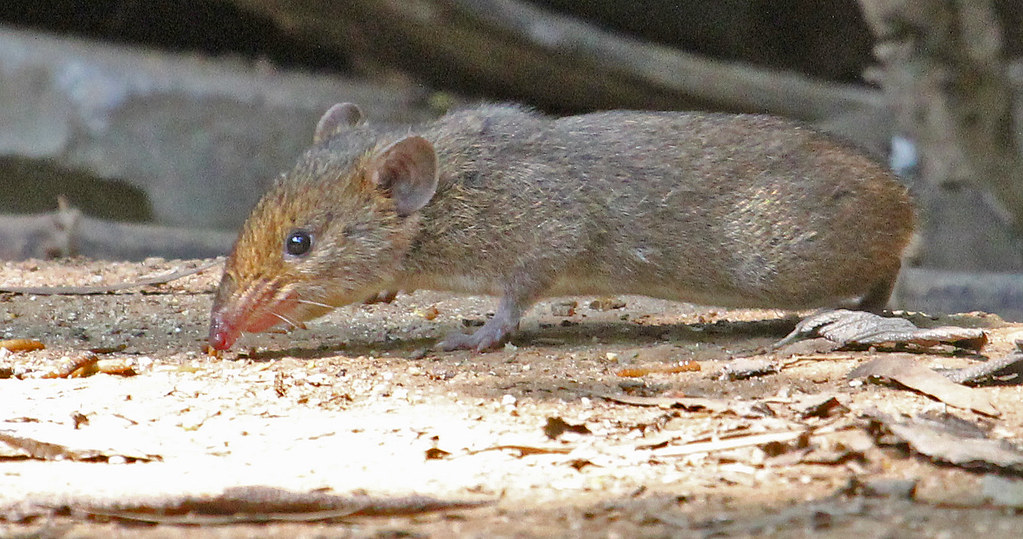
x=338 y=116
x=407 y=172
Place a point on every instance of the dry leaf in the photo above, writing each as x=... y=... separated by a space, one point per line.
x=830 y=406
x=808 y=347
x=908 y=372
x=951 y=444
x=857 y=328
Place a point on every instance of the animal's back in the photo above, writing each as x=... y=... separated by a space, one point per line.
x=729 y=210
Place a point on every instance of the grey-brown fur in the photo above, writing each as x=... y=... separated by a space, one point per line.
x=739 y=211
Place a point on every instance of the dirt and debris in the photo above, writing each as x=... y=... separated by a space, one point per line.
x=546 y=433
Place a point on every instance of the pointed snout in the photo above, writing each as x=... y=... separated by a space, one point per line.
x=223 y=334
x=255 y=307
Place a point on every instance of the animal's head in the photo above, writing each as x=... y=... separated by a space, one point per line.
x=332 y=231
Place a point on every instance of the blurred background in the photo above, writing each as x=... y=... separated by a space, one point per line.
x=139 y=128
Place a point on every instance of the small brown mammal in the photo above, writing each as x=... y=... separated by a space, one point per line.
x=716 y=209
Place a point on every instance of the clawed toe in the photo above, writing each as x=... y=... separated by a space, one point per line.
x=480 y=341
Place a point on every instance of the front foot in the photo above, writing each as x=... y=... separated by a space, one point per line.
x=491 y=335
x=462 y=341
x=482 y=340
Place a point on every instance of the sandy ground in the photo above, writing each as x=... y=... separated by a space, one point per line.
x=357 y=403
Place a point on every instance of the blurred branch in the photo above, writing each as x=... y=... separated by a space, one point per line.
x=732 y=85
x=510 y=48
x=67 y=232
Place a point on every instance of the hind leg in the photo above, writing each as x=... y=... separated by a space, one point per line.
x=876 y=299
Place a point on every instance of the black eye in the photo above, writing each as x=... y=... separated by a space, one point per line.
x=298 y=243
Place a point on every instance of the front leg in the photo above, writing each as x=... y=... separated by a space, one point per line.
x=493 y=332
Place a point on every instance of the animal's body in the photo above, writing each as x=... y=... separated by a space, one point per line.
x=716 y=209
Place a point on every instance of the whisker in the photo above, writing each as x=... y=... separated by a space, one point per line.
x=316 y=303
x=285 y=318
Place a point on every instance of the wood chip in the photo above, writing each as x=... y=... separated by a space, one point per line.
x=22 y=345
x=746 y=368
x=120 y=366
x=75 y=367
x=429 y=313
x=436 y=454
x=556 y=426
x=636 y=372
x=564 y=308
x=607 y=304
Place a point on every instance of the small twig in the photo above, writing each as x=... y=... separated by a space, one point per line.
x=729 y=443
x=255 y=504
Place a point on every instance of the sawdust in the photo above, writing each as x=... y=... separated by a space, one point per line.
x=357 y=403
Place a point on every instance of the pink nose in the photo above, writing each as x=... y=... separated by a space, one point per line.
x=222 y=335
